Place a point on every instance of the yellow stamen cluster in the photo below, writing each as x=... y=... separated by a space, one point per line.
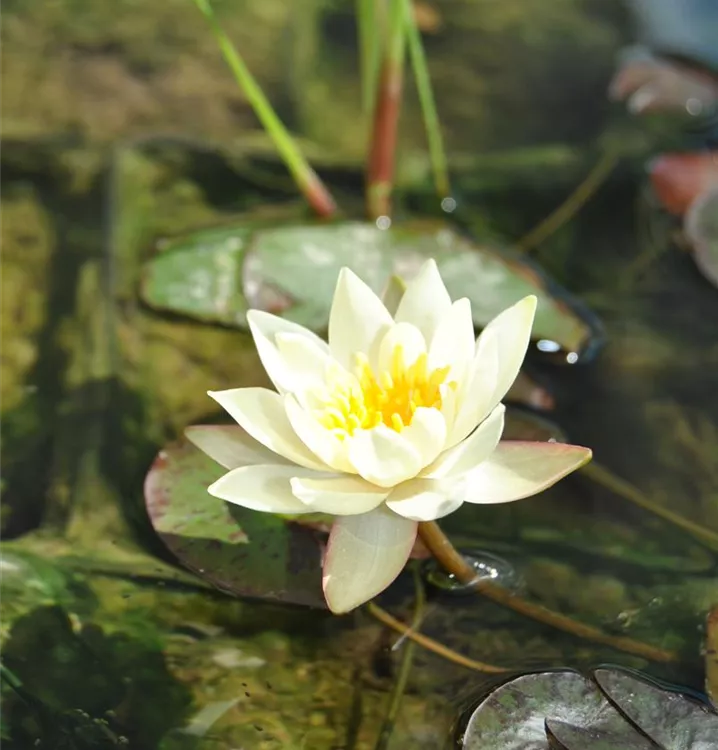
x=391 y=397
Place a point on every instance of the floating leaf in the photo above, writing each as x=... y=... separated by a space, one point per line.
x=564 y=709
x=670 y=719
x=291 y=270
x=238 y=550
x=701 y=227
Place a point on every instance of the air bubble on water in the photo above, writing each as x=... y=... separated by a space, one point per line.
x=694 y=106
x=488 y=567
x=383 y=222
x=448 y=204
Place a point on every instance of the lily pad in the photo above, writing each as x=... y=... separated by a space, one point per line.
x=701 y=227
x=613 y=710
x=240 y=551
x=215 y=275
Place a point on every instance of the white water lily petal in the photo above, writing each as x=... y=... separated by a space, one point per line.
x=425 y=301
x=512 y=331
x=261 y=413
x=323 y=443
x=365 y=553
x=265 y=488
x=427 y=433
x=230 y=446
x=453 y=342
x=425 y=499
x=518 y=469
x=383 y=457
x=403 y=335
x=357 y=320
x=306 y=362
x=264 y=328
x=340 y=496
x=468 y=454
x=476 y=392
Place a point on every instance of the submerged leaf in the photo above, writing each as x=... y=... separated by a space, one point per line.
x=291 y=270
x=563 y=709
x=238 y=550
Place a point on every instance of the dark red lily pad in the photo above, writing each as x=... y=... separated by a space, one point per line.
x=240 y=551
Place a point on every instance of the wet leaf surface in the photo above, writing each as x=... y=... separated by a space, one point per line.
x=615 y=710
x=292 y=271
x=671 y=720
x=240 y=551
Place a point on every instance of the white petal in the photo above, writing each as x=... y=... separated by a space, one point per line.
x=265 y=488
x=425 y=301
x=383 y=457
x=305 y=362
x=230 y=446
x=476 y=393
x=518 y=469
x=468 y=454
x=364 y=555
x=393 y=293
x=261 y=413
x=265 y=328
x=425 y=499
x=340 y=496
x=427 y=433
x=453 y=342
x=512 y=331
x=322 y=442
x=357 y=319
x=403 y=335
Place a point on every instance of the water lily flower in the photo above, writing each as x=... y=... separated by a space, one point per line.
x=397 y=419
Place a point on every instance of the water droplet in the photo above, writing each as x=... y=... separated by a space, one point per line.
x=487 y=566
x=448 y=204
x=694 y=106
x=383 y=222
x=572 y=358
x=546 y=345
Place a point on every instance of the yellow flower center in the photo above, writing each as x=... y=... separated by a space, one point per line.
x=389 y=398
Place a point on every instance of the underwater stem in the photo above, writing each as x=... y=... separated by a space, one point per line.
x=429 y=643
x=307 y=180
x=382 y=149
x=451 y=560
x=407 y=658
x=572 y=205
x=626 y=490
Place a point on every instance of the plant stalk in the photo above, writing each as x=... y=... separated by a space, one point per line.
x=382 y=150
x=452 y=561
x=417 y=58
x=306 y=179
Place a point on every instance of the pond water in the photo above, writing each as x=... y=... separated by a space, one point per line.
x=108 y=642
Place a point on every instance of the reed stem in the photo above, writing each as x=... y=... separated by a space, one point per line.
x=306 y=179
x=382 y=149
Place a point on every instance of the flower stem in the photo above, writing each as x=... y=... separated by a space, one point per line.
x=380 y=171
x=306 y=179
x=452 y=561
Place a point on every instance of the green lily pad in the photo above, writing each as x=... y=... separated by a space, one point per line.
x=215 y=275
x=615 y=710
x=240 y=551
